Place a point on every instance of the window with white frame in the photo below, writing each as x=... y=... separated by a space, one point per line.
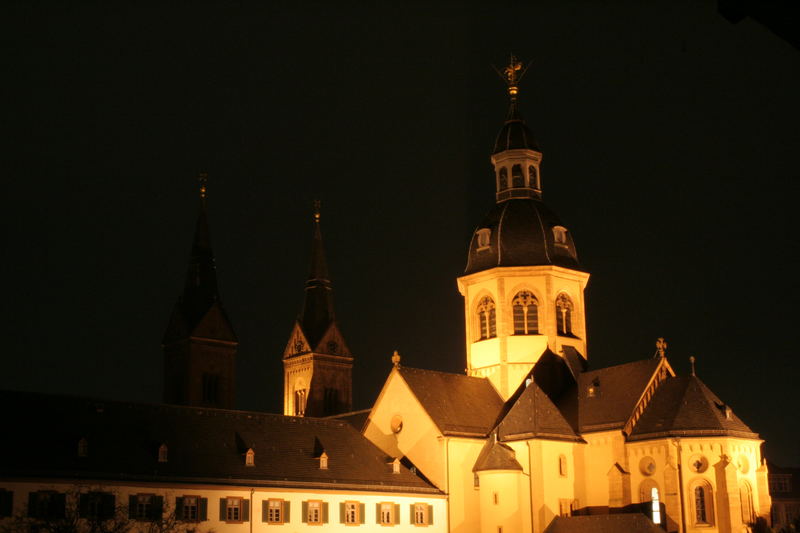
x=275 y=511
x=422 y=514
x=314 y=513
x=233 y=509
x=386 y=514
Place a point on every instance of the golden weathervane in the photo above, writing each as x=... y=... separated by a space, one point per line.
x=512 y=75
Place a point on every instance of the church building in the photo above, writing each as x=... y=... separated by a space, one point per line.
x=530 y=439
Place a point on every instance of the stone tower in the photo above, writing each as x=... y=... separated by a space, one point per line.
x=200 y=344
x=317 y=364
x=523 y=286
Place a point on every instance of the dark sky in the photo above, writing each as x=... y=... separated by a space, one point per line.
x=670 y=152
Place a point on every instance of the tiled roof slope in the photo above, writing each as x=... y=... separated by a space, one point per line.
x=204 y=445
x=496 y=456
x=458 y=404
x=357 y=419
x=618 y=388
x=603 y=523
x=534 y=415
x=684 y=406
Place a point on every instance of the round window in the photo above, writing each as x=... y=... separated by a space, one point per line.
x=396 y=423
x=647 y=465
x=698 y=463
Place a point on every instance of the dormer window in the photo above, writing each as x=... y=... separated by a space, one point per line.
x=560 y=236
x=163 y=453
x=323 y=461
x=83 y=447
x=396 y=466
x=517 y=179
x=533 y=177
x=502 y=179
x=250 y=458
x=483 y=236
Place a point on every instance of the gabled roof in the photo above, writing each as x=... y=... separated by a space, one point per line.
x=685 y=406
x=457 y=404
x=617 y=389
x=496 y=456
x=204 y=446
x=534 y=415
x=603 y=523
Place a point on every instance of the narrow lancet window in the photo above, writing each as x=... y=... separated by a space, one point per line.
x=526 y=313
x=533 y=177
x=564 y=314
x=503 y=179
x=487 y=319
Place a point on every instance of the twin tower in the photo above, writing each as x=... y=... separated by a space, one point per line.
x=200 y=344
x=523 y=296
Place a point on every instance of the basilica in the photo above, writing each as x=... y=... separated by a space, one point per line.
x=531 y=438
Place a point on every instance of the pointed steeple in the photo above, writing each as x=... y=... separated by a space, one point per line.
x=200 y=289
x=317 y=313
x=200 y=344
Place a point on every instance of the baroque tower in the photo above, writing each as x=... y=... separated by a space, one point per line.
x=523 y=286
x=200 y=344
x=317 y=364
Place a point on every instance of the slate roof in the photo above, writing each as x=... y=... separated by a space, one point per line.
x=204 y=446
x=685 y=406
x=603 y=523
x=458 y=404
x=534 y=415
x=357 y=419
x=521 y=235
x=515 y=134
x=496 y=456
x=618 y=388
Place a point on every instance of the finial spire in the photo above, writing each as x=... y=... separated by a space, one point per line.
x=317 y=204
x=202 y=178
x=396 y=359
x=512 y=75
x=692 y=360
x=661 y=347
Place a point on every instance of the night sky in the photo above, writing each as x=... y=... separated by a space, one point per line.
x=670 y=142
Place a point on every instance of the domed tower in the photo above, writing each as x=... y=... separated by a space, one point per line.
x=523 y=286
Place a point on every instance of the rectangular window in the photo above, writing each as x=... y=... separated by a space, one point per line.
x=189 y=508
x=275 y=511
x=145 y=507
x=386 y=514
x=565 y=507
x=233 y=509
x=96 y=505
x=211 y=388
x=351 y=513
x=422 y=514
x=314 y=514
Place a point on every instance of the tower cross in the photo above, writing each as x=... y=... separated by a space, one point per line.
x=202 y=178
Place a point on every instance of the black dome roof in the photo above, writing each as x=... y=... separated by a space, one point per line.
x=514 y=134
x=520 y=234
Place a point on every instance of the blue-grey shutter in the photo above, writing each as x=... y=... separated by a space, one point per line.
x=202 y=511
x=413 y=517
x=286 y=514
x=324 y=512
x=222 y=507
x=430 y=514
x=264 y=507
x=132 y=507
x=377 y=513
x=397 y=513
x=245 y=510
x=6 y=504
x=341 y=512
x=305 y=513
x=179 y=508
x=361 y=512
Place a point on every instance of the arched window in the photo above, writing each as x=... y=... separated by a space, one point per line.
x=703 y=504
x=526 y=313
x=299 y=402
x=533 y=177
x=650 y=498
x=562 y=465
x=517 y=179
x=564 y=314
x=746 y=498
x=503 y=179
x=487 y=321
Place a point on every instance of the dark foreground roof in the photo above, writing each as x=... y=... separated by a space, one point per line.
x=684 y=406
x=608 y=523
x=204 y=446
x=458 y=404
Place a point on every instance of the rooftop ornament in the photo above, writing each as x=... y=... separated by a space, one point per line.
x=661 y=347
x=396 y=359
